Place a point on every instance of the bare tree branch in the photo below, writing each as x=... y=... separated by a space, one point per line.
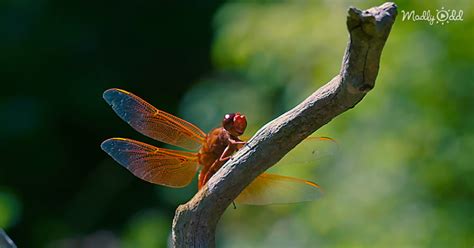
x=195 y=222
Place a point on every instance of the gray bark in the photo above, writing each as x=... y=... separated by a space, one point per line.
x=195 y=222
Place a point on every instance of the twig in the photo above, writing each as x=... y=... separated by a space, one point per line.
x=195 y=222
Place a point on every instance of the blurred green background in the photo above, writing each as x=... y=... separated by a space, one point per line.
x=402 y=176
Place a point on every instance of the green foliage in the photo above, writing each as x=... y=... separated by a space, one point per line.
x=10 y=209
x=149 y=229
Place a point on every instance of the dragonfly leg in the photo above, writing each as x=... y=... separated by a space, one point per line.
x=226 y=154
x=238 y=143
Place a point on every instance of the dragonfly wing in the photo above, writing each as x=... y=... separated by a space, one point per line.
x=311 y=151
x=275 y=189
x=155 y=165
x=152 y=122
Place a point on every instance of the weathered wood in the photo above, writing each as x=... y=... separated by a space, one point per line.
x=195 y=222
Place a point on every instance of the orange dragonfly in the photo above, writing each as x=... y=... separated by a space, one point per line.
x=176 y=169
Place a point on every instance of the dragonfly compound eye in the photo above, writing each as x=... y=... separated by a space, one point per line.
x=240 y=123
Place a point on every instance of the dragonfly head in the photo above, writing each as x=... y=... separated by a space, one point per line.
x=235 y=123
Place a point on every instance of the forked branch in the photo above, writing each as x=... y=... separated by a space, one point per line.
x=195 y=222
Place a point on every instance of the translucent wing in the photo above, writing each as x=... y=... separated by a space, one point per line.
x=310 y=152
x=275 y=189
x=152 y=122
x=156 y=165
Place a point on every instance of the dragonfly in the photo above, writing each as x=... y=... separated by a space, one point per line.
x=207 y=152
